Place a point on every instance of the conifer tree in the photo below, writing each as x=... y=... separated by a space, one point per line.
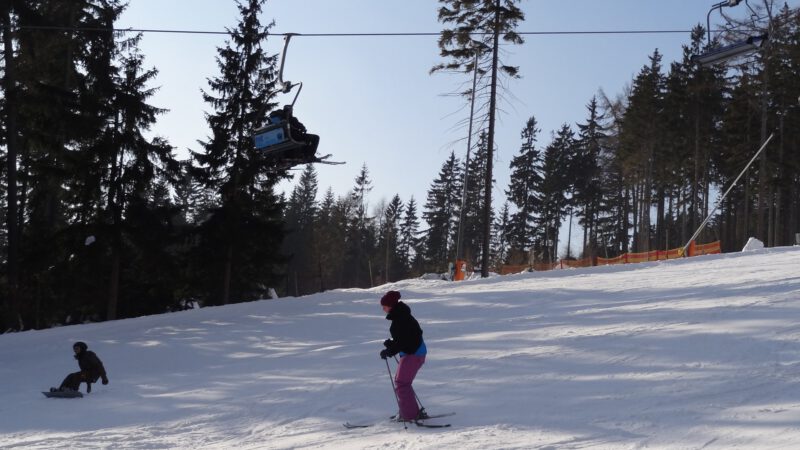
x=10 y=239
x=239 y=242
x=441 y=205
x=389 y=239
x=501 y=237
x=525 y=180
x=331 y=235
x=300 y=243
x=136 y=165
x=473 y=216
x=361 y=238
x=641 y=145
x=589 y=188
x=556 y=183
x=50 y=126
x=479 y=26
x=409 y=242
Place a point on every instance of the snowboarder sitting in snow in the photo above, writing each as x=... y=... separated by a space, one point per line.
x=407 y=342
x=91 y=369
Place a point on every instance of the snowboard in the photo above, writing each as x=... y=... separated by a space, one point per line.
x=63 y=394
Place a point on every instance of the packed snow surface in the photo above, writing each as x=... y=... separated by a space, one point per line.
x=695 y=353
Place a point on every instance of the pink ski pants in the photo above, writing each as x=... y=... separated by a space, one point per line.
x=406 y=371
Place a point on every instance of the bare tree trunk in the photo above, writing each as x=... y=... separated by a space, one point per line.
x=569 y=236
x=660 y=222
x=490 y=151
x=625 y=220
x=746 y=225
x=226 y=282
x=776 y=235
x=635 y=205
x=696 y=178
x=761 y=207
x=115 y=199
x=12 y=149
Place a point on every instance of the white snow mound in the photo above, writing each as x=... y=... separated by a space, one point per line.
x=753 y=244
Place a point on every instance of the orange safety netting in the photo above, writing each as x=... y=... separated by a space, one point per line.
x=706 y=249
x=627 y=258
x=660 y=255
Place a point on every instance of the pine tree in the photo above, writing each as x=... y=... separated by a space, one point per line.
x=48 y=104
x=525 y=179
x=300 y=243
x=389 y=239
x=331 y=235
x=501 y=237
x=556 y=183
x=474 y=207
x=641 y=145
x=440 y=211
x=488 y=19
x=613 y=218
x=409 y=242
x=191 y=196
x=783 y=63
x=361 y=238
x=10 y=239
x=239 y=243
x=589 y=187
x=137 y=163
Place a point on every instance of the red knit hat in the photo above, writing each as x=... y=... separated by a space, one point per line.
x=390 y=298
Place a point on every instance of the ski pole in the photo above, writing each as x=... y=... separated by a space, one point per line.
x=395 y=391
x=419 y=402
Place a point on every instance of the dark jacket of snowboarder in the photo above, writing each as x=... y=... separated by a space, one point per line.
x=91 y=367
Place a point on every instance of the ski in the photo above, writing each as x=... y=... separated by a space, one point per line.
x=430 y=416
x=418 y=422
x=421 y=423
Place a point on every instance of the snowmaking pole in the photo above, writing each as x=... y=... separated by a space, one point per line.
x=487 y=195
x=721 y=199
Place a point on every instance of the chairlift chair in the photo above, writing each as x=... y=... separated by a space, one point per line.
x=725 y=53
x=284 y=139
x=276 y=137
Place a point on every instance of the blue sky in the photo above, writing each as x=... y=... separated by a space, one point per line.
x=372 y=100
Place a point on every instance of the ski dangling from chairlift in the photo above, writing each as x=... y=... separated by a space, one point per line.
x=285 y=140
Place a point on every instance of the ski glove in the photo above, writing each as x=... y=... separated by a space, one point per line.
x=385 y=353
x=105 y=380
x=388 y=343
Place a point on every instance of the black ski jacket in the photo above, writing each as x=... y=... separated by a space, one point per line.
x=405 y=330
x=91 y=366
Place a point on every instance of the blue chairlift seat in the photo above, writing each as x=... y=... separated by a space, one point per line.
x=275 y=138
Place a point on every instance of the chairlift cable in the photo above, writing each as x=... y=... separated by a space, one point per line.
x=379 y=34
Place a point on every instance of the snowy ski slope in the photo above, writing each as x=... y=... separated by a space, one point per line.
x=695 y=353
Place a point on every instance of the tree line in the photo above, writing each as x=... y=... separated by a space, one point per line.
x=103 y=222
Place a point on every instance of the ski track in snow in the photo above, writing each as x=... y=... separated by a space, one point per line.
x=693 y=353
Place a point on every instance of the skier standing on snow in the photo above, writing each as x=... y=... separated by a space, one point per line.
x=91 y=369
x=407 y=342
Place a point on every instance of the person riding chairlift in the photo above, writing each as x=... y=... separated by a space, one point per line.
x=299 y=133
